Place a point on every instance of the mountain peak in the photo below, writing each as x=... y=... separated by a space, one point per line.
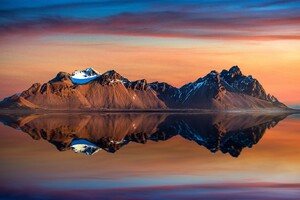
x=84 y=76
x=211 y=76
x=110 y=72
x=61 y=76
x=112 y=75
x=139 y=84
x=235 y=70
x=232 y=72
x=85 y=72
x=213 y=72
x=84 y=146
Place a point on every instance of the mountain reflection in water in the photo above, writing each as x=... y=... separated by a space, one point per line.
x=90 y=132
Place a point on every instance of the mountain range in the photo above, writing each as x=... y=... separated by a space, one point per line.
x=90 y=90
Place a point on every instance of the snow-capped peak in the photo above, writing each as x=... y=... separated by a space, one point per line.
x=84 y=76
x=84 y=146
x=88 y=72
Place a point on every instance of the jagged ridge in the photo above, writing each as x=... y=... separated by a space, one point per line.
x=92 y=90
x=225 y=90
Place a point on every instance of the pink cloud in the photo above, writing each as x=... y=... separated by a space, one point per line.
x=162 y=24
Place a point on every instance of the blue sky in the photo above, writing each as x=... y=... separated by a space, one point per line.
x=187 y=19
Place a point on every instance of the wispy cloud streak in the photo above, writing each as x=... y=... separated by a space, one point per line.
x=164 y=24
x=226 y=20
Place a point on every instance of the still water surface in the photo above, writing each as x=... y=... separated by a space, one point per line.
x=149 y=156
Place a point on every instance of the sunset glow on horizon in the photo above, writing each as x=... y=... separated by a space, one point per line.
x=175 y=42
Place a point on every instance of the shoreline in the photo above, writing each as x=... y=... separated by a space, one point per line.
x=187 y=111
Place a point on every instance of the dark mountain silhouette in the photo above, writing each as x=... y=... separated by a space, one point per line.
x=88 y=89
x=87 y=133
x=226 y=90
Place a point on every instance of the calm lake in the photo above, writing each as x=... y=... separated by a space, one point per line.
x=150 y=156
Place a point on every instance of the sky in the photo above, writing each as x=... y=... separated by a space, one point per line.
x=172 y=41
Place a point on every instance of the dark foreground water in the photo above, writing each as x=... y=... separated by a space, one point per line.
x=149 y=156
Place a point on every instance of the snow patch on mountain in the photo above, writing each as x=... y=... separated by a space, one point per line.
x=84 y=76
x=84 y=146
x=190 y=89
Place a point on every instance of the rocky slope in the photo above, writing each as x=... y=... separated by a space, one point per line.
x=226 y=90
x=107 y=91
x=88 y=89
